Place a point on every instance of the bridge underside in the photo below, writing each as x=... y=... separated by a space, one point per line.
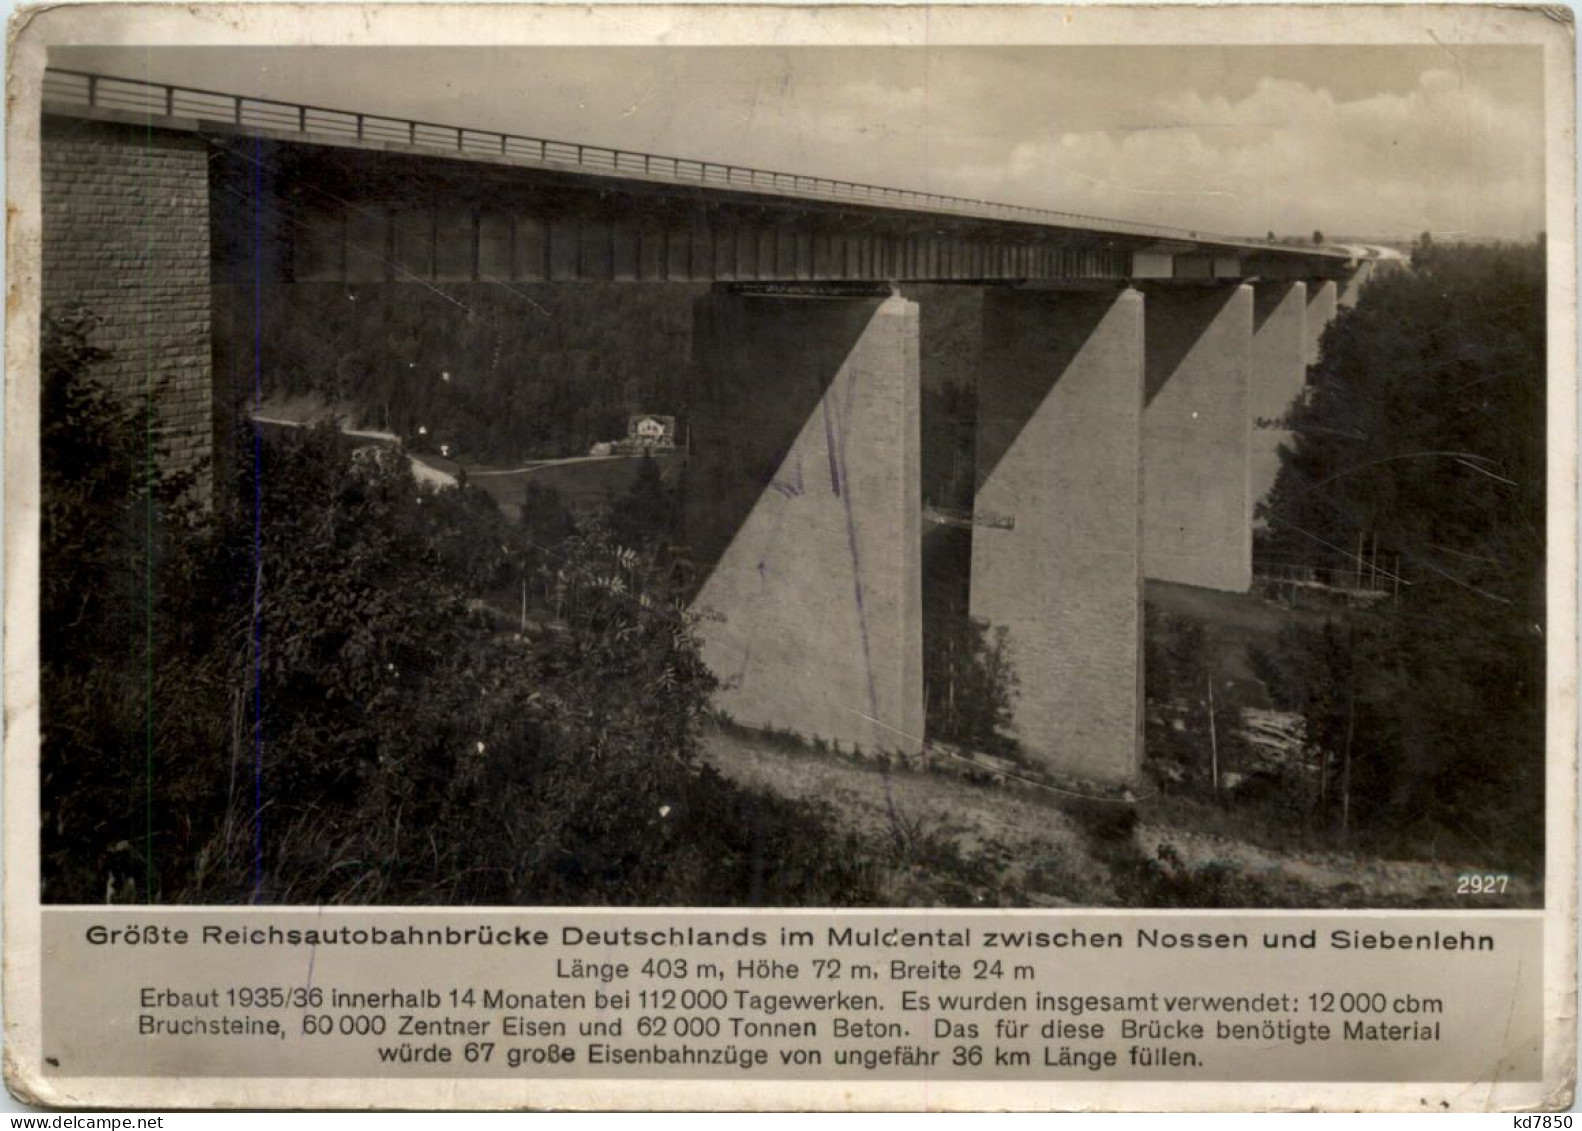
x=352 y=216
x=1124 y=388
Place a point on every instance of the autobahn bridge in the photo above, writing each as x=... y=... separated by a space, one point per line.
x=1122 y=371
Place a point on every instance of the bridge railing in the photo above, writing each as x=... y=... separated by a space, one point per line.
x=63 y=87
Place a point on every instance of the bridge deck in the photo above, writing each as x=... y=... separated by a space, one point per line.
x=166 y=106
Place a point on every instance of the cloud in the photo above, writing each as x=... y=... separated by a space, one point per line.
x=1444 y=155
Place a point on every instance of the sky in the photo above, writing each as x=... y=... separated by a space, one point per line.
x=1359 y=141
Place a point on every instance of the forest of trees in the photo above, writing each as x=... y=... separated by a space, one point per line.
x=311 y=690
x=301 y=693
x=1422 y=434
x=500 y=374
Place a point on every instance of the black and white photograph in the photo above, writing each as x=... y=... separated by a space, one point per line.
x=791 y=557
x=793 y=475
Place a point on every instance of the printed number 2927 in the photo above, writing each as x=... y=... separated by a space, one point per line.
x=1482 y=883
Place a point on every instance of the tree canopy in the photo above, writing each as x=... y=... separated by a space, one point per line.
x=1422 y=432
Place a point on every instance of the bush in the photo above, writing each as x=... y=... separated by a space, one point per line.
x=134 y=670
x=492 y=767
x=970 y=685
x=1177 y=670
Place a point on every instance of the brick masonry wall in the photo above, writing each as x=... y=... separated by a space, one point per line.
x=126 y=233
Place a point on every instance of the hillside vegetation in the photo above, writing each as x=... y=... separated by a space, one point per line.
x=1423 y=435
x=303 y=695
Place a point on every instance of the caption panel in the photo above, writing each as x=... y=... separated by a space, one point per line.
x=688 y=995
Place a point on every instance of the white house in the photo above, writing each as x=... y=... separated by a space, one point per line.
x=647 y=430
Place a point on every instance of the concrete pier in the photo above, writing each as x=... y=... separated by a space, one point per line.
x=1320 y=313
x=1279 y=372
x=1056 y=538
x=804 y=507
x=1351 y=287
x=1196 y=527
